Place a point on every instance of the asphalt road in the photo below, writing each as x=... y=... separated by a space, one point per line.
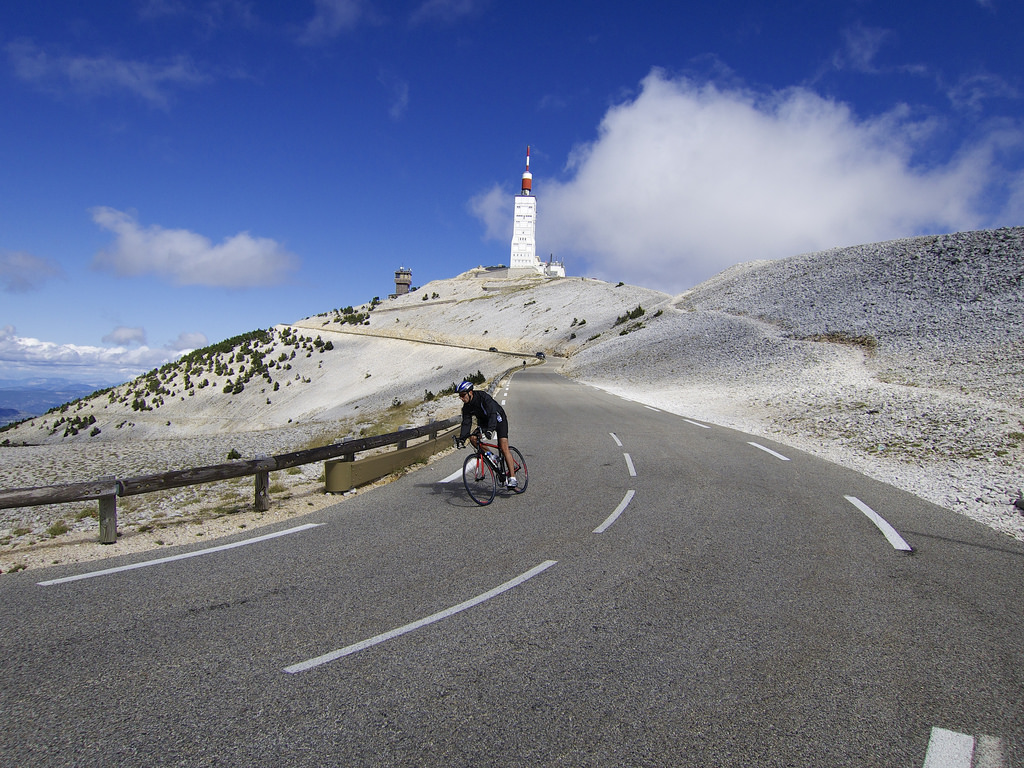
x=665 y=593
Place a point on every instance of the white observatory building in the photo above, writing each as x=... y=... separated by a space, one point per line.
x=524 y=232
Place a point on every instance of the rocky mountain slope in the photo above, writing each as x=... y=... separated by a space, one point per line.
x=902 y=359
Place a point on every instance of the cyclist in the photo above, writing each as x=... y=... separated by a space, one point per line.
x=490 y=417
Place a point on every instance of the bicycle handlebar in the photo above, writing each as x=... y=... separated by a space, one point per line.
x=477 y=433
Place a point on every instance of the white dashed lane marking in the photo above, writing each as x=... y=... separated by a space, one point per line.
x=384 y=637
x=618 y=511
x=453 y=476
x=778 y=456
x=887 y=530
x=949 y=749
x=629 y=465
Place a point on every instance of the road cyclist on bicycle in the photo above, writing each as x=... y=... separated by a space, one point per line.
x=490 y=417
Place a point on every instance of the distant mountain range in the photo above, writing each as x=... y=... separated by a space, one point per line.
x=25 y=398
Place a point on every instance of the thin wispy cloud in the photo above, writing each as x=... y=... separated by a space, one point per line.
x=187 y=258
x=861 y=47
x=212 y=15
x=398 y=89
x=21 y=272
x=861 y=54
x=92 y=76
x=333 y=17
x=446 y=10
x=972 y=91
x=688 y=178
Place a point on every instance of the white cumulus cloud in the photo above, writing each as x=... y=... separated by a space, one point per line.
x=493 y=207
x=21 y=355
x=125 y=336
x=187 y=258
x=186 y=342
x=688 y=178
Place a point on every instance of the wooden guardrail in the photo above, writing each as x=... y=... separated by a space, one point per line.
x=107 y=489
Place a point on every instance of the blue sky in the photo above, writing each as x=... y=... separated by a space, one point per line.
x=174 y=173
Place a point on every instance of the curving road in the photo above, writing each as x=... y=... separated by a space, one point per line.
x=665 y=593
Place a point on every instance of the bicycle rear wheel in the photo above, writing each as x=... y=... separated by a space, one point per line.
x=478 y=477
x=522 y=478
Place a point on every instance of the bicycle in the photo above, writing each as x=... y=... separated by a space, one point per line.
x=485 y=468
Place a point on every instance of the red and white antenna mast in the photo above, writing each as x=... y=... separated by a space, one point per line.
x=527 y=176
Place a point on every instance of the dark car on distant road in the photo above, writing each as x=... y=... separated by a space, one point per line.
x=541 y=355
x=493 y=349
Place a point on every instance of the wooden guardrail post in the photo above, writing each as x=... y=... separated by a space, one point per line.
x=108 y=514
x=261 y=500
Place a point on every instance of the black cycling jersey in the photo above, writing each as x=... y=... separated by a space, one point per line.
x=489 y=415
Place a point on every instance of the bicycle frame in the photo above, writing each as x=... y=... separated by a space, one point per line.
x=496 y=460
x=487 y=461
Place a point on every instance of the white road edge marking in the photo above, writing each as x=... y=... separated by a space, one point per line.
x=769 y=450
x=697 y=424
x=616 y=439
x=651 y=407
x=384 y=637
x=185 y=556
x=949 y=749
x=629 y=465
x=887 y=530
x=618 y=511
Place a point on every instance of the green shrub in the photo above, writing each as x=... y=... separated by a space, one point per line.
x=631 y=315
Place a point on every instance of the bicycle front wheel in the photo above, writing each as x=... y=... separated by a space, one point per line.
x=520 y=470
x=478 y=477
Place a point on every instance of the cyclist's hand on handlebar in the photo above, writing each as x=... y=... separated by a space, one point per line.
x=488 y=434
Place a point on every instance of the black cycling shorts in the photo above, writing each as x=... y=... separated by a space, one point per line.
x=502 y=428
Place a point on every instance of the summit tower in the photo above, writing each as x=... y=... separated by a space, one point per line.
x=524 y=232
x=524 y=225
